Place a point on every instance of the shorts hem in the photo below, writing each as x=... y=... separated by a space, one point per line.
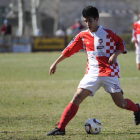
x=92 y=94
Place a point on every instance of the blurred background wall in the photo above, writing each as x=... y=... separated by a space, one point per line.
x=50 y=15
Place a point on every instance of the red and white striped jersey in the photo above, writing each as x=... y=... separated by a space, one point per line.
x=99 y=46
x=136 y=36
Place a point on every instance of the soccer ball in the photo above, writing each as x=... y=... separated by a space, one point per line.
x=93 y=126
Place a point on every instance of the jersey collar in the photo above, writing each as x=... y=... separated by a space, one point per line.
x=93 y=33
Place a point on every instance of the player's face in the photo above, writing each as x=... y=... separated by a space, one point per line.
x=91 y=23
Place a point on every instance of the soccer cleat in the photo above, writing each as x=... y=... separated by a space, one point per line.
x=56 y=131
x=137 y=116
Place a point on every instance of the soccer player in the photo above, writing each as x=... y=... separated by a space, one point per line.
x=136 y=40
x=102 y=47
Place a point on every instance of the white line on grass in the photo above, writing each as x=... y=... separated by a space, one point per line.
x=55 y=81
x=129 y=78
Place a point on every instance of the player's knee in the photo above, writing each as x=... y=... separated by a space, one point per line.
x=138 y=66
x=77 y=98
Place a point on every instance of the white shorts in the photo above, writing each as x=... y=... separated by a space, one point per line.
x=137 y=58
x=110 y=84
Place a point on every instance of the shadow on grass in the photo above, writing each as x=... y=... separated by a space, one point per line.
x=109 y=133
x=119 y=133
x=102 y=133
x=6 y=132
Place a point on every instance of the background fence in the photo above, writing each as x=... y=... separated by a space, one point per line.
x=33 y=44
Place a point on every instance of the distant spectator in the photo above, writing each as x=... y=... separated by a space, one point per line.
x=76 y=28
x=60 y=32
x=78 y=25
x=6 y=32
x=6 y=28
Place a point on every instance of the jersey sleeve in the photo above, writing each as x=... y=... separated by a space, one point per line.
x=73 y=47
x=120 y=44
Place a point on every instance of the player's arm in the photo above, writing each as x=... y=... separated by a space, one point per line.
x=74 y=46
x=53 y=66
x=120 y=48
x=114 y=56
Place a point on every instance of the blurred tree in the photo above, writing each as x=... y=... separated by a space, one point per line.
x=34 y=16
x=21 y=17
x=57 y=3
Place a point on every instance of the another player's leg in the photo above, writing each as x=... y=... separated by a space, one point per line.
x=138 y=61
x=70 y=111
x=138 y=66
x=127 y=104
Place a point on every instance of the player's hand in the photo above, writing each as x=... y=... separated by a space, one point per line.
x=53 y=66
x=112 y=59
x=52 y=69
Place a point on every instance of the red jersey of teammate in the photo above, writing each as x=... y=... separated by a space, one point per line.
x=136 y=36
x=99 y=46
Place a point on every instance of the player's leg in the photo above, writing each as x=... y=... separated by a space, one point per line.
x=72 y=108
x=138 y=61
x=112 y=85
x=119 y=100
x=127 y=104
x=124 y=103
x=70 y=111
x=84 y=89
x=138 y=66
x=87 y=86
x=80 y=95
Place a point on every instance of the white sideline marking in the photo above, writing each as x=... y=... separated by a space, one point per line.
x=55 y=81
x=129 y=78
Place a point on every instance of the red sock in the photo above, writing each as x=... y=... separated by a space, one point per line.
x=69 y=112
x=131 y=106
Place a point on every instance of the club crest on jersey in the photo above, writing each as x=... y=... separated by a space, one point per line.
x=100 y=41
x=100 y=44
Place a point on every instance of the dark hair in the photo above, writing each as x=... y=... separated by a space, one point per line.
x=90 y=11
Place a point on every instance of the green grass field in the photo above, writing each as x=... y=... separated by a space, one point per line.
x=32 y=101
